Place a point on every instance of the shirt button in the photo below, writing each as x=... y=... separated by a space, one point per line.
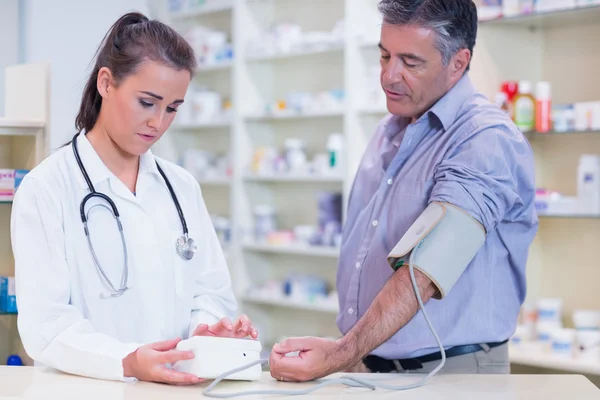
x=357 y=265
x=390 y=181
x=375 y=223
x=351 y=311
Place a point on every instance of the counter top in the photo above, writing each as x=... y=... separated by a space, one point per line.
x=35 y=383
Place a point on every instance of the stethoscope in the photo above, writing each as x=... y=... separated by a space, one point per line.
x=186 y=247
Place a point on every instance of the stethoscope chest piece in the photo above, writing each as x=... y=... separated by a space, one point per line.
x=186 y=247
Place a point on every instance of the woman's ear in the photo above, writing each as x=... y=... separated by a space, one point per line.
x=104 y=81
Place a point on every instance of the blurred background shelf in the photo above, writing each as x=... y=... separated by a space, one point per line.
x=200 y=126
x=569 y=216
x=550 y=19
x=20 y=127
x=286 y=303
x=294 y=178
x=296 y=249
x=226 y=65
x=308 y=52
x=206 y=10
x=295 y=115
x=217 y=181
x=555 y=362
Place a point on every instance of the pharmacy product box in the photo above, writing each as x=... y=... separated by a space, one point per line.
x=8 y=298
x=10 y=179
x=587 y=116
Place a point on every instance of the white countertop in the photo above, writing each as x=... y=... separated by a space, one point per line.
x=34 y=383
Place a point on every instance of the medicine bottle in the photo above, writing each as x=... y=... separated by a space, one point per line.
x=525 y=107
x=543 y=108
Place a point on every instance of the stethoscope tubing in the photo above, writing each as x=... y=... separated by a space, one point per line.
x=93 y=193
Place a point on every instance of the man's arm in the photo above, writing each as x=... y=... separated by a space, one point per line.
x=395 y=305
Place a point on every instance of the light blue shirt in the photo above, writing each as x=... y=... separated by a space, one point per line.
x=464 y=151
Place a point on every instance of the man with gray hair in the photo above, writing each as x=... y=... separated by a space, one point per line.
x=444 y=146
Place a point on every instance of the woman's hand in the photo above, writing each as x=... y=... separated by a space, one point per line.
x=224 y=328
x=148 y=363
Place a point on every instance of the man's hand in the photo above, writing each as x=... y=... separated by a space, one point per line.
x=317 y=358
x=224 y=328
x=148 y=363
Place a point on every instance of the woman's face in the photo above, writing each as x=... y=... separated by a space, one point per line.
x=137 y=112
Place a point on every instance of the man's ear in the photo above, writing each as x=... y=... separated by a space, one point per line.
x=459 y=63
x=104 y=81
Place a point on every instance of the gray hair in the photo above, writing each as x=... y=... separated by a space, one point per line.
x=453 y=21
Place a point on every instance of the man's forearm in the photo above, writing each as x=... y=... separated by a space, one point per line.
x=393 y=308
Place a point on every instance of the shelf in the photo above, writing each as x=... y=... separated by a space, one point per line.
x=5 y=313
x=551 y=361
x=19 y=127
x=550 y=19
x=368 y=43
x=286 y=303
x=373 y=110
x=215 y=67
x=326 y=48
x=224 y=181
x=561 y=133
x=294 y=178
x=296 y=249
x=203 y=125
x=570 y=216
x=294 y=115
x=212 y=8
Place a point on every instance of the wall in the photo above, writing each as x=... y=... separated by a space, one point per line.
x=9 y=40
x=67 y=33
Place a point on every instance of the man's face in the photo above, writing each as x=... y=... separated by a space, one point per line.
x=413 y=76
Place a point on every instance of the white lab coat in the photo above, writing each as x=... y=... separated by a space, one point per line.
x=64 y=321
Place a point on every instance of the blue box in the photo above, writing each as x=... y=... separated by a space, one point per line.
x=19 y=175
x=8 y=298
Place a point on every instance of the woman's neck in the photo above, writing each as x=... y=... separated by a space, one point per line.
x=125 y=166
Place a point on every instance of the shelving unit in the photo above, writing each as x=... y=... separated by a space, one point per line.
x=554 y=362
x=534 y=47
x=538 y=47
x=23 y=144
x=285 y=303
x=296 y=249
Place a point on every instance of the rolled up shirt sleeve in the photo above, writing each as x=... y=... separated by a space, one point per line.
x=482 y=176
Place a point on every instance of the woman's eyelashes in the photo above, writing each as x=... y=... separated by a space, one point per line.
x=147 y=104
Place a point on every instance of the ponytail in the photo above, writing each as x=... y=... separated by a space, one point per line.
x=130 y=41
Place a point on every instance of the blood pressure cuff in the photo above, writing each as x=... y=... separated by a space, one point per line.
x=447 y=238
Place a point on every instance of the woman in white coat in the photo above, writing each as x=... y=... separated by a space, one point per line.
x=93 y=299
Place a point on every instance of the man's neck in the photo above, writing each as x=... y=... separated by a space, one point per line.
x=124 y=166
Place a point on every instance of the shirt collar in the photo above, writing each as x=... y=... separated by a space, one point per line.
x=446 y=109
x=394 y=126
x=98 y=171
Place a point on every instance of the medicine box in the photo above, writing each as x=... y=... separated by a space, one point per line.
x=10 y=179
x=8 y=298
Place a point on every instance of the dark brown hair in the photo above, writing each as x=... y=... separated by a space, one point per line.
x=132 y=40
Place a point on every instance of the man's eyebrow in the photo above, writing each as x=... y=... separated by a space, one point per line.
x=179 y=101
x=410 y=56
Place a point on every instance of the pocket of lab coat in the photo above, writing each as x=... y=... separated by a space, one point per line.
x=185 y=270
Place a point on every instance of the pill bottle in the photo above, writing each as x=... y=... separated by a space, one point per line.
x=543 y=108
x=524 y=106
